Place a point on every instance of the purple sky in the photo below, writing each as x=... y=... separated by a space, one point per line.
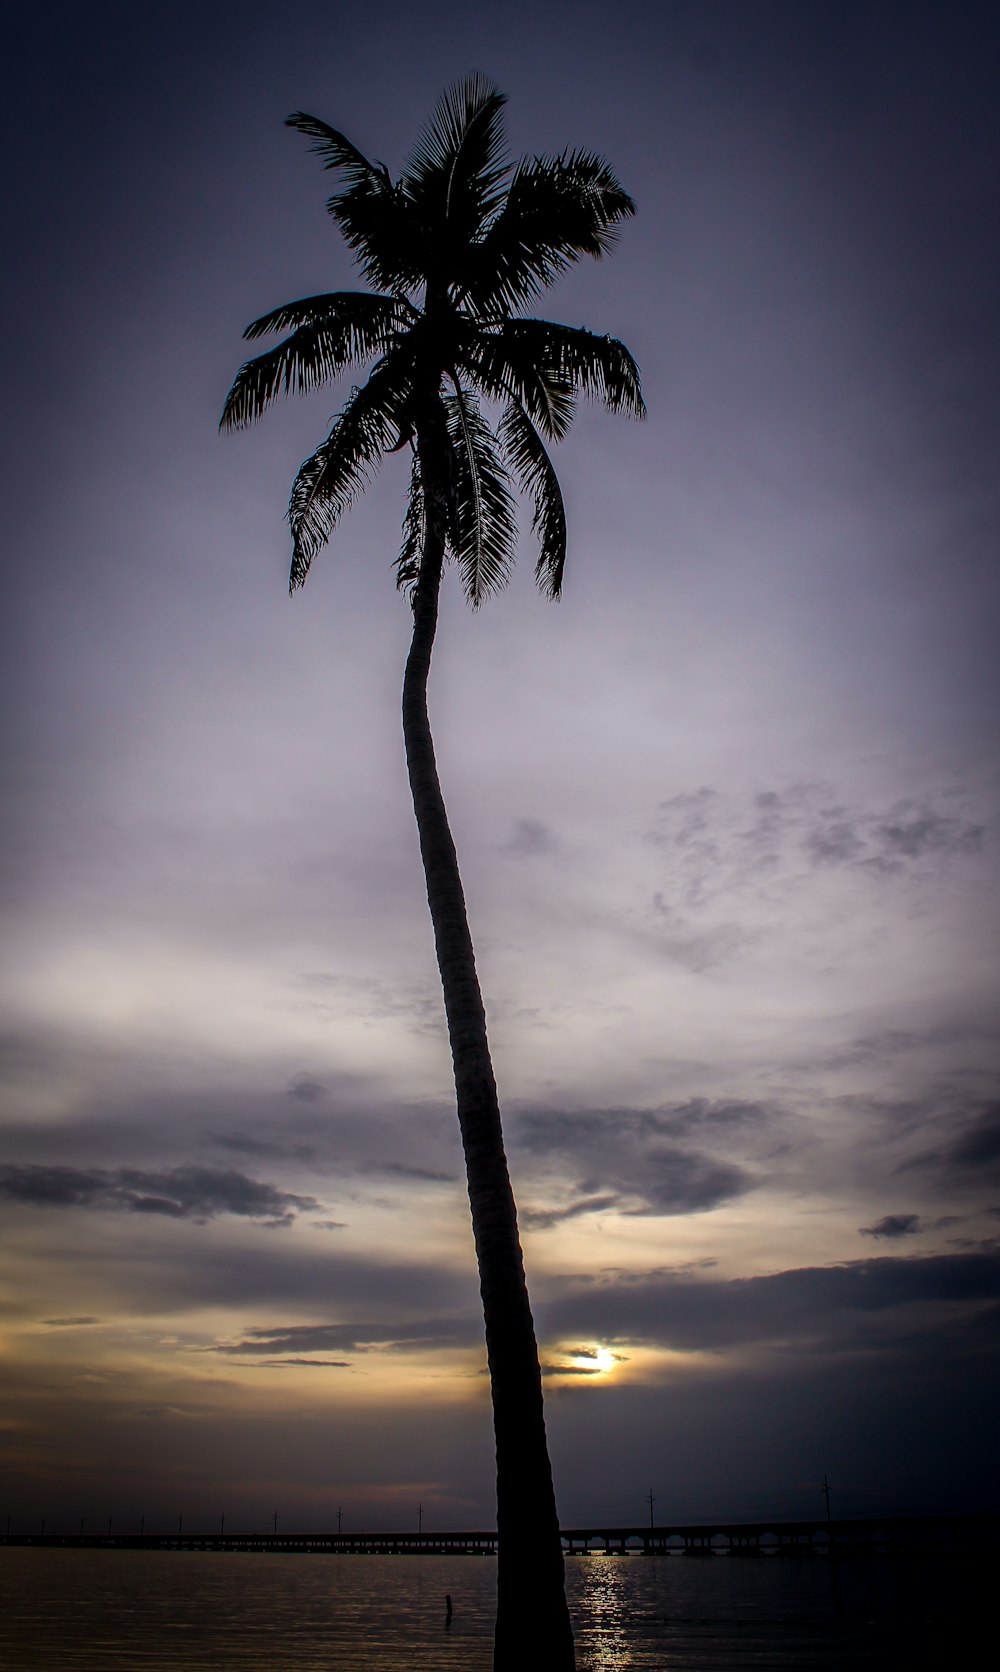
x=727 y=815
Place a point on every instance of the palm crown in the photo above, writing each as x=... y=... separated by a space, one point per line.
x=455 y=248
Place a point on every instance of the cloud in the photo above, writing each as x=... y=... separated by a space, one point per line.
x=832 y=1308
x=243 y=1144
x=893 y=1225
x=980 y=1143
x=630 y=1161
x=402 y=1169
x=196 y=1193
x=724 y=846
x=530 y=839
x=834 y=841
x=423 y=1335
x=542 y=1219
x=888 y=843
x=909 y=833
x=303 y=1363
x=306 y=1090
x=970 y=1158
x=695 y=949
x=882 y=1045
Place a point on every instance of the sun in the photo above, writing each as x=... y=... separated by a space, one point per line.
x=596 y=1358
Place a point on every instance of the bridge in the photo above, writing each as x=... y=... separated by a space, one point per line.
x=747 y=1539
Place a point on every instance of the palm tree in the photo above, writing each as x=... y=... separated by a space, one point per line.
x=454 y=249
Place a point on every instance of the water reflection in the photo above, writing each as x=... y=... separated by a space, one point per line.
x=606 y=1601
x=114 y=1611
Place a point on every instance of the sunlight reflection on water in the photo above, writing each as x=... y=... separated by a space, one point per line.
x=602 y=1596
x=107 y=1611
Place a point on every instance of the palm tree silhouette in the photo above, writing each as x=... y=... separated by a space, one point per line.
x=454 y=248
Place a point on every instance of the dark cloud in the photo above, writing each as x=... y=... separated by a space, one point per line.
x=69 y=1323
x=627 y=1274
x=827 y=1307
x=402 y=1169
x=723 y=844
x=303 y=1364
x=542 y=1219
x=576 y=1132
x=306 y=1090
x=834 y=841
x=893 y=1225
x=243 y=1143
x=971 y=1157
x=882 y=1045
x=423 y=1335
x=679 y=1181
x=621 y=1161
x=980 y=1143
x=530 y=838
x=703 y=1115
x=909 y=832
x=196 y=1193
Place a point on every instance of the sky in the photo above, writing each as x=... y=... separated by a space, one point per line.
x=727 y=814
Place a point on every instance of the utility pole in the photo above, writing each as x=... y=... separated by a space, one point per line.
x=339 y=1514
x=420 y=1519
x=275 y=1523
x=180 y=1523
x=109 y=1526
x=651 y=1500
x=826 y=1494
x=222 y=1524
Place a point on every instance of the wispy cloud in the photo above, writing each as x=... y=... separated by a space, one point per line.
x=196 y=1193
x=892 y=1226
x=636 y=1162
x=422 y=1335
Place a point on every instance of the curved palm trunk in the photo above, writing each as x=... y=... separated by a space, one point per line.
x=531 y=1599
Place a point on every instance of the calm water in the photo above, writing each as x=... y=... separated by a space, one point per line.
x=94 y=1611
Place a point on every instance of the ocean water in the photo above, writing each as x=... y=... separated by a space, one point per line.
x=96 y=1611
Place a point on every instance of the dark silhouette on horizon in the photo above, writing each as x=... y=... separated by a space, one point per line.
x=454 y=248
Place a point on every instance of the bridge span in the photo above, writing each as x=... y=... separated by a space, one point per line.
x=871 y=1535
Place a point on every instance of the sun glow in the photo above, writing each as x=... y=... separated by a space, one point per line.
x=596 y=1358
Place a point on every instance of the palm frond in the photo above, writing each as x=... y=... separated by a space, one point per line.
x=387 y=236
x=337 y=151
x=311 y=310
x=483 y=532
x=508 y=367
x=456 y=170
x=414 y=529
x=523 y=447
x=600 y=367
x=330 y=480
x=373 y=215
x=348 y=328
x=557 y=210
